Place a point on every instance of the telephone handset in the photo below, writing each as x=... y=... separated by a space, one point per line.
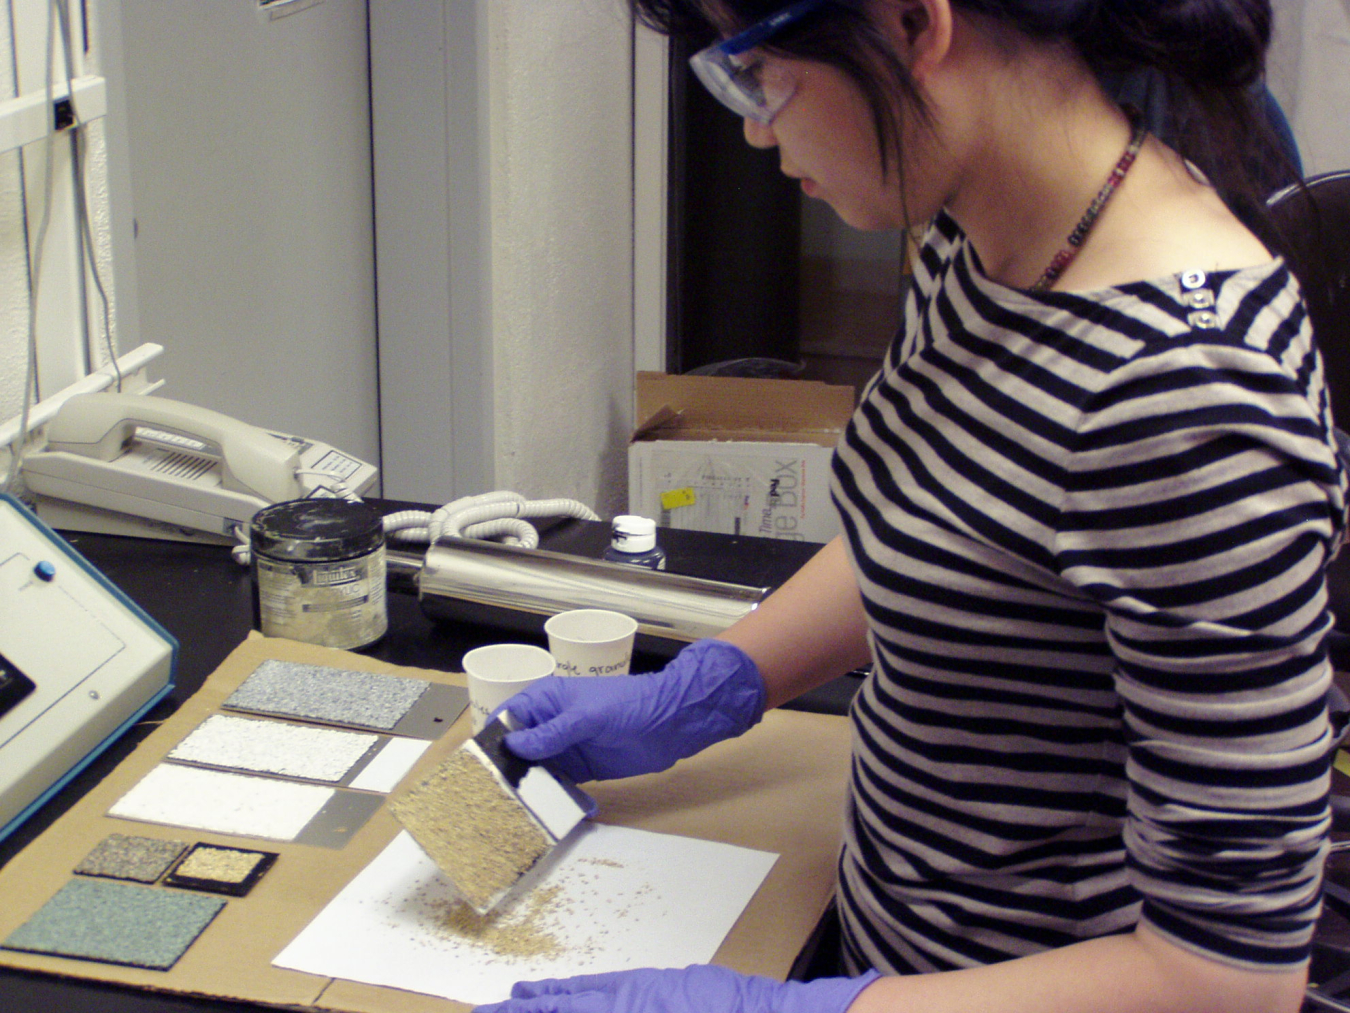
x=138 y=464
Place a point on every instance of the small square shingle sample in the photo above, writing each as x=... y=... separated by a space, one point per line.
x=232 y=871
x=274 y=747
x=121 y=856
x=117 y=923
x=333 y=695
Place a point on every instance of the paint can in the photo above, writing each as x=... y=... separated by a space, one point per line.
x=319 y=572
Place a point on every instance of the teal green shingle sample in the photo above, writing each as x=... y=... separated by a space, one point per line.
x=117 y=923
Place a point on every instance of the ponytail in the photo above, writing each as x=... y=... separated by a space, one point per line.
x=1202 y=44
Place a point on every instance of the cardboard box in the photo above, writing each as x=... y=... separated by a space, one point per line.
x=737 y=456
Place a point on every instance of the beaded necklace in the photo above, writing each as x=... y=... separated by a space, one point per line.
x=1080 y=232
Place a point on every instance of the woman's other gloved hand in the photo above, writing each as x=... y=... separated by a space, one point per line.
x=602 y=727
x=701 y=988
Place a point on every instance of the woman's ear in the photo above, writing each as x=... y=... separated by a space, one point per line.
x=921 y=31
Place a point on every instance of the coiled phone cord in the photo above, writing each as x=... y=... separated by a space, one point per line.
x=488 y=516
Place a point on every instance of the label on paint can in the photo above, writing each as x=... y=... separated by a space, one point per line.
x=319 y=573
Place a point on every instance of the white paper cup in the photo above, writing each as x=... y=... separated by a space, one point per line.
x=591 y=641
x=500 y=671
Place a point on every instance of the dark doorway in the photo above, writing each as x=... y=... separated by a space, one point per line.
x=756 y=271
x=734 y=233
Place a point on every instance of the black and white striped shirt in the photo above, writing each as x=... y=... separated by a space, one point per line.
x=1090 y=533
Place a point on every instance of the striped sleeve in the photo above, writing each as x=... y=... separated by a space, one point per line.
x=1201 y=504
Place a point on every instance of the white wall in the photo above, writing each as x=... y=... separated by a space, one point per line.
x=562 y=253
x=249 y=145
x=70 y=334
x=250 y=183
x=506 y=330
x=13 y=259
x=429 y=77
x=1309 y=72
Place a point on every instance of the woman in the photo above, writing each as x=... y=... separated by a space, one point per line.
x=1087 y=505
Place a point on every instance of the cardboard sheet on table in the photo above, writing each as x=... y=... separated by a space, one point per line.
x=778 y=789
x=611 y=899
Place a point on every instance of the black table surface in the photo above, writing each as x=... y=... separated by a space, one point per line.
x=204 y=599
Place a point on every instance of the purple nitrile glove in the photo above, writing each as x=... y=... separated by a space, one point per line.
x=610 y=726
x=702 y=988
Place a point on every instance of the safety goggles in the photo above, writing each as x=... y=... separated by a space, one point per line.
x=745 y=84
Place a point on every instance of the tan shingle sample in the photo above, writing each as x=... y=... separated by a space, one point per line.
x=472 y=827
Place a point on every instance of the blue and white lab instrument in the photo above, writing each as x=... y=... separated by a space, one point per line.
x=80 y=663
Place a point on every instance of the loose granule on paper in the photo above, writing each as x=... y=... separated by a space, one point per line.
x=520 y=933
x=608 y=863
x=476 y=832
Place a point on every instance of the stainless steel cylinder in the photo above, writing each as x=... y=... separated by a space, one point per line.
x=504 y=585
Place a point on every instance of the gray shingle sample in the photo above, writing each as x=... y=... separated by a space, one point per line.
x=117 y=923
x=333 y=695
x=121 y=856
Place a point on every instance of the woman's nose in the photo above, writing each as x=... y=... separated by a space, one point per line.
x=759 y=135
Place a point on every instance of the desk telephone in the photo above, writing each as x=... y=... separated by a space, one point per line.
x=131 y=464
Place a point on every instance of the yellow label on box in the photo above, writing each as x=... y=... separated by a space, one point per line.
x=1343 y=762
x=678 y=498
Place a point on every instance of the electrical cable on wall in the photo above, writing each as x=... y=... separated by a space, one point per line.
x=78 y=140
x=58 y=14
x=35 y=260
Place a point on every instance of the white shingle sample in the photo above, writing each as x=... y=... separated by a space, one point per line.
x=335 y=695
x=274 y=747
x=222 y=803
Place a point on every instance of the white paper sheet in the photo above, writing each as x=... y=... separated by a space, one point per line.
x=390 y=765
x=611 y=899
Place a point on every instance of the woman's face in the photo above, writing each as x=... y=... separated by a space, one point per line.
x=826 y=138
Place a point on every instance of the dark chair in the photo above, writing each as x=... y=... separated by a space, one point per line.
x=1313 y=220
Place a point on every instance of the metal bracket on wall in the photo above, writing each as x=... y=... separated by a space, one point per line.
x=26 y=119
x=273 y=9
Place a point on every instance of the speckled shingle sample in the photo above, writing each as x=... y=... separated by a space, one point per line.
x=121 y=856
x=221 y=870
x=117 y=923
x=221 y=802
x=335 y=695
x=274 y=747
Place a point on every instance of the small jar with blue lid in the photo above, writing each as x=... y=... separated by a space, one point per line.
x=633 y=540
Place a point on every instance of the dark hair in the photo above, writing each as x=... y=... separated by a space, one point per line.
x=1209 y=55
